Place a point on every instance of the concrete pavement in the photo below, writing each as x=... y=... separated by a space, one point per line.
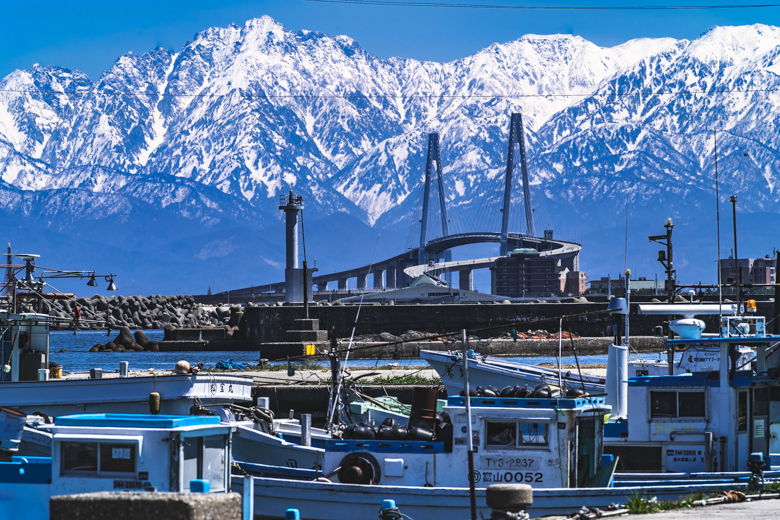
x=755 y=510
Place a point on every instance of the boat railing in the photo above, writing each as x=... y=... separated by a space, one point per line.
x=743 y=326
x=555 y=403
x=385 y=446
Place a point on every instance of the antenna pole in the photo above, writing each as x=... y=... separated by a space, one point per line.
x=560 y=352
x=470 y=442
x=777 y=294
x=628 y=304
x=335 y=378
x=625 y=252
x=717 y=219
x=733 y=200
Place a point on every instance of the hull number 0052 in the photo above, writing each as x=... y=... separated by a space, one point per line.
x=525 y=477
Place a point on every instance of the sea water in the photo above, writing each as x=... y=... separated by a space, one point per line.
x=79 y=359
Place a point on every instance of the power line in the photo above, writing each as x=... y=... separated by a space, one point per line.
x=401 y=3
x=399 y=96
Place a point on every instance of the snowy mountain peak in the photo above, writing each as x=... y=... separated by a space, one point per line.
x=244 y=112
x=732 y=45
x=264 y=30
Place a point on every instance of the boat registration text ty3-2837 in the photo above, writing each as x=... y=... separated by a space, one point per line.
x=509 y=463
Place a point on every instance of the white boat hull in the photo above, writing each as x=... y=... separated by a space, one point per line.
x=484 y=371
x=178 y=393
x=250 y=445
x=323 y=501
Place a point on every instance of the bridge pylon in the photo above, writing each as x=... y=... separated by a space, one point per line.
x=516 y=138
x=433 y=161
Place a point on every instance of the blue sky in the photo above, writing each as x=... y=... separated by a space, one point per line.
x=89 y=35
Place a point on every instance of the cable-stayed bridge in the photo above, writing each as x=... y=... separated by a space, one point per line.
x=434 y=255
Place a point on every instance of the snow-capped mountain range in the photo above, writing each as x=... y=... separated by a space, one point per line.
x=211 y=135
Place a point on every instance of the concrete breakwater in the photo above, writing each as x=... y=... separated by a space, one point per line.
x=141 y=312
x=268 y=324
x=506 y=347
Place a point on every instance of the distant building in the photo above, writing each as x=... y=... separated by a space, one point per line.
x=609 y=285
x=425 y=288
x=754 y=270
x=524 y=272
x=572 y=282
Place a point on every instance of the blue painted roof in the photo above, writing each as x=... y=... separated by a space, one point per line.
x=126 y=420
x=511 y=402
x=693 y=379
x=741 y=378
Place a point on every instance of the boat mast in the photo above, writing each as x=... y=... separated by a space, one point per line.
x=335 y=378
x=560 y=352
x=470 y=442
x=717 y=219
x=628 y=304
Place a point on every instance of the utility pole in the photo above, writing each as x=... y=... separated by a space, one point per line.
x=667 y=257
x=738 y=281
x=776 y=281
x=667 y=260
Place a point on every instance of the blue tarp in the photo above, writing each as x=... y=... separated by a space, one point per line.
x=229 y=364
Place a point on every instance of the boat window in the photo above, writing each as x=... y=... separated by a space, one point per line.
x=191 y=450
x=761 y=401
x=96 y=459
x=522 y=433
x=204 y=457
x=691 y=404
x=663 y=404
x=117 y=458
x=677 y=405
x=742 y=412
x=501 y=434
x=79 y=457
x=214 y=462
x=534 y=433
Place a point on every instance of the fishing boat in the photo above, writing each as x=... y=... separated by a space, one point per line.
x=492 y=371
x=557 y=445
x=708 y=421
x=111 y=452
x=501 y=373
x=553 y=445
x=25 y=383
x=545 y=443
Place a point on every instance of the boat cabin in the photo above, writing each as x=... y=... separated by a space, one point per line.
x=705 y=421
x=24 y=345
x=545 y=443
x=109 y=452
x=119 y=452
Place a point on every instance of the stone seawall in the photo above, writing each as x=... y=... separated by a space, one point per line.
x=138 y=312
